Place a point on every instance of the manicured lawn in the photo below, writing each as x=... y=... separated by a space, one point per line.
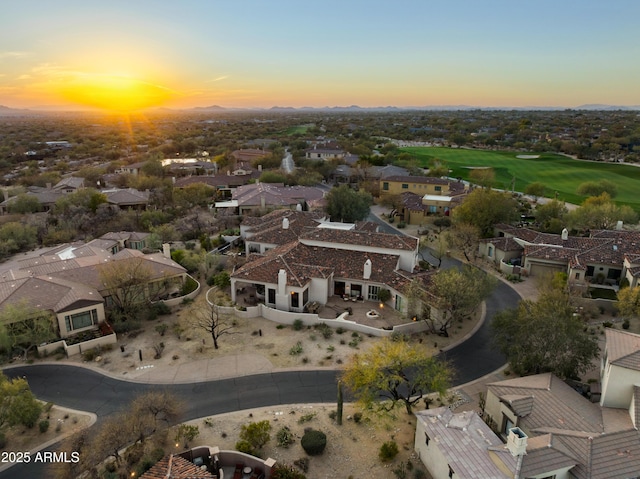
x=297 y=130
x=557 y=172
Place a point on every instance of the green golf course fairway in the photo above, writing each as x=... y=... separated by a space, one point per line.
x=558 y=173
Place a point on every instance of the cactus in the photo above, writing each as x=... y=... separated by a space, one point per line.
x=340 y=402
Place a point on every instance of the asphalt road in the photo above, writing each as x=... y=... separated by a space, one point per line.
x=87 y=390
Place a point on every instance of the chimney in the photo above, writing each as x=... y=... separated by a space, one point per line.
x=282 y=281
x=565 y=234
x=367 y=270
x=285 y=223
x=259 y=167
x=263 y=202
x=619 y=225
x=166 y=250
x=517 y=442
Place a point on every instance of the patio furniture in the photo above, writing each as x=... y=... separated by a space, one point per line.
x=237 y=474
x=247 y=470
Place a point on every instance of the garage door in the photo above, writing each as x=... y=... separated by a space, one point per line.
x=538 y=269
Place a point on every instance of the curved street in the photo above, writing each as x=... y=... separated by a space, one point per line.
x=85 y=389
x=88 y=390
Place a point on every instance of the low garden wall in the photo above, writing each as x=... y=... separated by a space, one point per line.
x=308 y=319
x=78 y=348
x=176 y=301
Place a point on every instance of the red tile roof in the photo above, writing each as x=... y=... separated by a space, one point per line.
x=175 y=467
x=361 y=238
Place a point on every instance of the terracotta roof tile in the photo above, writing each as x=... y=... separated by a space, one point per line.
x=175 y=467
x=362 y=238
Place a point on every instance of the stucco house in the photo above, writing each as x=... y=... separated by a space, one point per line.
x=261 y=196
x=299 y=258
x=423 y=195
x=550 y=430
x=324 y=154
x=604 y=256
x=67 y=281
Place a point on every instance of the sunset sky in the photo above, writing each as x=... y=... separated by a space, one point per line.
x=249 y=53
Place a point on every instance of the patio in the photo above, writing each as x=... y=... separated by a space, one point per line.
x=387 y=316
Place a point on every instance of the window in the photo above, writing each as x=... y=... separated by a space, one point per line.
x=405 y=186
x=81 y=320
x=426 y=438
x=506 y=425
x=490 y=252
x=438 y=188
x=305 y=296
x=385 y=186
x=398 y=302
x=373 y=293
x=577 y=275
x=272 y=296
x=295 y=299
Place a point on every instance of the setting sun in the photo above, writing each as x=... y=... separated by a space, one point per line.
x=115 y=92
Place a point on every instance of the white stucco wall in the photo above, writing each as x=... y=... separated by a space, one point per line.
x=431 y=457
x=617 y=386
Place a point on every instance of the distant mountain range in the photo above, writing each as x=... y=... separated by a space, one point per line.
x=7 y=111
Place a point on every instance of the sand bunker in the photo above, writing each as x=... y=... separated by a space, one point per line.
x=528 y=157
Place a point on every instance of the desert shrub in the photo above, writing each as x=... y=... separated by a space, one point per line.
x=298 y=324
x=162 y=328
x=313 y=442
x=388 y=451
x=325 y=330
x=419 y=474
x=284 y=471
x=284 y=437
x=625 y=324
x=3 y=440
x=296 y=349
x=43 y=425
x=190 y=285
x=156 y=454
x=161 y=309
x=134 y=453
x=244 y=446
x=307 y=417
x=187 y=433
x=357 y=417
x=256 y=433
x=302 y=463
x=90 y=354
x=144 y=465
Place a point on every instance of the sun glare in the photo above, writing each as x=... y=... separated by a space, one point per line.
x=115 y=92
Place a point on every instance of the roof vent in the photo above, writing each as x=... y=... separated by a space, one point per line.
x=565 y=234
x=285 y=223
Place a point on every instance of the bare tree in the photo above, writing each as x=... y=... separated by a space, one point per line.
x=464 y=237
x=212 y=319
x=153 y=411
x=126 y=284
